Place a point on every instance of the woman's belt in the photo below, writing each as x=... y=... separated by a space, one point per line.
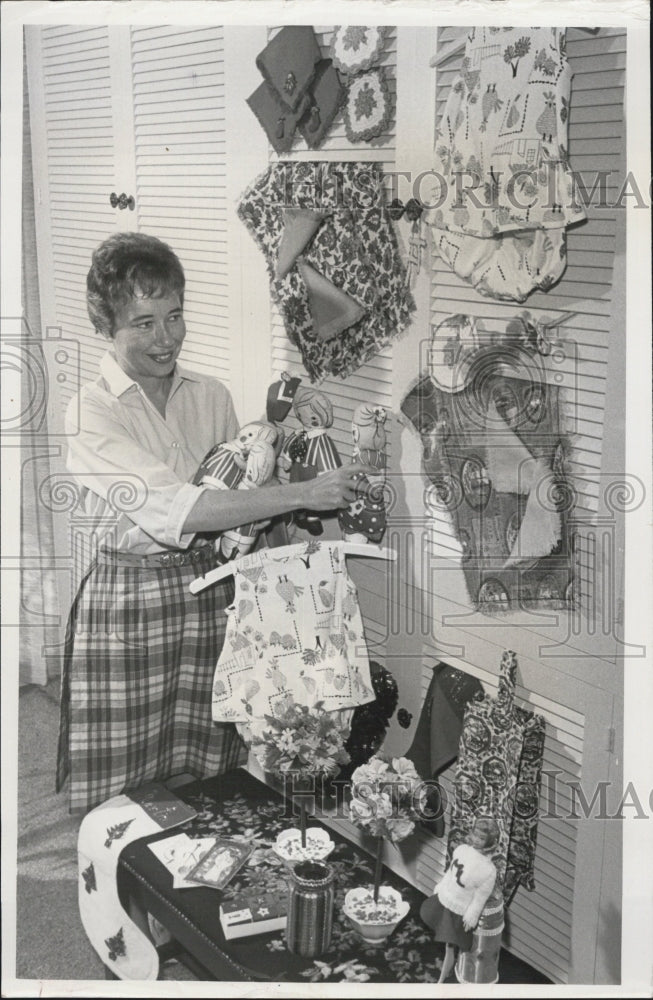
x=176 y=557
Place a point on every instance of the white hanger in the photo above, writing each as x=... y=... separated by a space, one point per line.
x=455 y=47
x=349 y=548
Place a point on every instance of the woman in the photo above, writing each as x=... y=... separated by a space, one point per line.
x=140 y=650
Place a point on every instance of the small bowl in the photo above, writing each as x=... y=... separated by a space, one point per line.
x=374 y=929
x=288 y=845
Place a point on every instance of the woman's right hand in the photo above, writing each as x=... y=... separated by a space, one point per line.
x=335 y=489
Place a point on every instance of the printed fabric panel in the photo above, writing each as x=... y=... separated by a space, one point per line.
x=294 y=634
x=502 y=159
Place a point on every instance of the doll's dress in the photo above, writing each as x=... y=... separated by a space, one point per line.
x=505 y=190
x=294 y=634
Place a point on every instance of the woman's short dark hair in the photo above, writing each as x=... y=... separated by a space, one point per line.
x=126 y=264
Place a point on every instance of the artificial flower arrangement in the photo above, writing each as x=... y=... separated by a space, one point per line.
x=304 y=743
x=386 y=801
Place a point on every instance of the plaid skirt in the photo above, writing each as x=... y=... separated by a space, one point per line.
x=139 y=660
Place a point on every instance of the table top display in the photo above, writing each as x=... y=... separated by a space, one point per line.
x=238 y=806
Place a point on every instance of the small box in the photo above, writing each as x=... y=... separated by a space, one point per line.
x=247 y=914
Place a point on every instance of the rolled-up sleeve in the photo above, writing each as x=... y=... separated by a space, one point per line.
x=105 y=458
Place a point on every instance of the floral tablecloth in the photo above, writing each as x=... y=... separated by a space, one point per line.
x=238 y=806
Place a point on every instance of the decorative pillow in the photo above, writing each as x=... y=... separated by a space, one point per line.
x=278 y=122
x=288 y=63
x=368 y=108
x=332 y=310
x=354 y=48
x=299 y=228
x=327 y=96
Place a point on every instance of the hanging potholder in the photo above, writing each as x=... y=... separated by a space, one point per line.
x=368 y=108
x=355 y=48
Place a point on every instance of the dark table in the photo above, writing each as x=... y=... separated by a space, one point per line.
x=239 y=804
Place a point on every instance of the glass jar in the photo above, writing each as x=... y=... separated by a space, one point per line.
x=310 y=909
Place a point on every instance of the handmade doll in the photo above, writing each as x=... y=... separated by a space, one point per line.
x=310 y=452
x=244 y=463
x=458 y=899
x=365 y=518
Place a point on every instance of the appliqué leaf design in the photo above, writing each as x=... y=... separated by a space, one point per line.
x=116 y=945
x=89 y=878
x=117 y=832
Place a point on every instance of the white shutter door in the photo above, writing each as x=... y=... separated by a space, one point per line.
x=75 y=173
x=179 y=140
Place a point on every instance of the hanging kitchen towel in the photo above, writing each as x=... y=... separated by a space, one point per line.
x=494 y=454
x=289 y=61
x=498 y=774
x=354 y=248
x=325 y=100
x=505 y=190
x=277 y=120
x=103 y=833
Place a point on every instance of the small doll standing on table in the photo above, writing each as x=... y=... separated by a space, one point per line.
x=458 y=899
x=310 y=452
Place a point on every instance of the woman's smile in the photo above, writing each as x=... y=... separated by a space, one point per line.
x=149 y=333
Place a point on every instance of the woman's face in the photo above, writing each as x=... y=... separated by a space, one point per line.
x=148 y=335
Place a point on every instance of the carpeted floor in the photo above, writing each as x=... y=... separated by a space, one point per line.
x=50 y=941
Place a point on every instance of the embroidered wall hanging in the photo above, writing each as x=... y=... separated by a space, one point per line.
x=368 y=107
x=498 y=773
x=349 y=242
x=355 y=48
x=503 y=134
x=496 y=457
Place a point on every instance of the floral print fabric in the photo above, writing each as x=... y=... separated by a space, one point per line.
x=294 y=634
x=355 y=248
x=498 y=774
